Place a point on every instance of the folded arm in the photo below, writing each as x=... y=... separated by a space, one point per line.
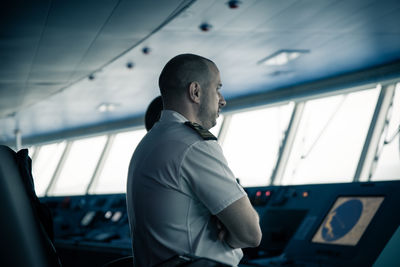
x=206 y=171
x=242 y=224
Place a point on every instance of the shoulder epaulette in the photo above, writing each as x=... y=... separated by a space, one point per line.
x=206 y=135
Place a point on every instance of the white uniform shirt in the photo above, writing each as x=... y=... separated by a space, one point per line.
x=176 y=182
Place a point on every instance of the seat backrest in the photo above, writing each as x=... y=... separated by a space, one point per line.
x=121 y=262
x=24 y=240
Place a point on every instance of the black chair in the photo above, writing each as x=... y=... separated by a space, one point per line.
x=189 y=260
x=25 y=240
x=176 y=261
x=121 y=262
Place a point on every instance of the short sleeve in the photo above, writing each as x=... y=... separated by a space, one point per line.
x=206 y=171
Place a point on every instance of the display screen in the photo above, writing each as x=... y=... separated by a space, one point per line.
x=347 y=220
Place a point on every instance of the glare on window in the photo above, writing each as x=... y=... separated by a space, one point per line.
x=330 y=138
x=113 y=176
x=215 y=130
x=79 y=166
x=252 y=143
x=388 y=165
x=44 y=165
x=31 y=151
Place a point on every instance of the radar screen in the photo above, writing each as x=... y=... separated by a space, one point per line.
x=347 y=220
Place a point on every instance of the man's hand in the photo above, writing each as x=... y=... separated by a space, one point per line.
x=222 y=232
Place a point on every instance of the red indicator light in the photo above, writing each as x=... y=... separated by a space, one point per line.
x=267 y=193
x=305 y=194
x=258 y=194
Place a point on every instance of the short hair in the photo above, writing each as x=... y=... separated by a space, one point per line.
x=153 y=112
x=180 y=71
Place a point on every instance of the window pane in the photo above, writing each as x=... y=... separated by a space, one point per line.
x=252 y=143
x=79 y=166
x=388 y=166
x=215 y=130
x=113 y=176
x=45 y=164
x=31 y=151
x=330 y=138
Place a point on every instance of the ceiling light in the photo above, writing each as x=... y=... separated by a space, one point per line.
x=205 y=27
x=107 y=107
x=130 y=65
x=282 y=57
x=146 y=50
x=234 y=4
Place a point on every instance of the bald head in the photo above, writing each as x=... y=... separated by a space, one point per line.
x=182 y=70
x=190 y=85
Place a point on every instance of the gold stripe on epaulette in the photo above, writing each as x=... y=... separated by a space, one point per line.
x=205 y=134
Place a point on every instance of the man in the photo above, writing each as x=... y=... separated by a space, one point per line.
x=182 y=197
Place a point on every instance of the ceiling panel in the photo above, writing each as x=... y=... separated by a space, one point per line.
x=367 y=17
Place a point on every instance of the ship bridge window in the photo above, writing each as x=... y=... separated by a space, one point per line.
x=330 y=138
x=45 y=164
x=114 y=173
x=79 y=166
x=387 y=166
x=31 y=151
x=215 y=130
x=252 y=143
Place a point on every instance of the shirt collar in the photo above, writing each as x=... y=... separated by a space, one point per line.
x=172 y=116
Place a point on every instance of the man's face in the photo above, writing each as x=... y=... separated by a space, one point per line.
x=211 y=100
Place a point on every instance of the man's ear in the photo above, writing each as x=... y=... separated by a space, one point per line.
x=194 y=92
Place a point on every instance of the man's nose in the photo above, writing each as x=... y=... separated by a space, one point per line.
x=222 y=101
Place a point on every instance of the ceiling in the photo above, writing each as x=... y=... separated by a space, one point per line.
x=60 y=60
